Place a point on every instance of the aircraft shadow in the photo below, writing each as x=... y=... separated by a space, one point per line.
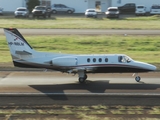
x=99 y=86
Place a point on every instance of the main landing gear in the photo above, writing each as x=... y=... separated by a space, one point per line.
x=137 y=78
x=82 y=79
x=82 y=76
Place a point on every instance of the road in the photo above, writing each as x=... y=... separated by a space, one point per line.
x=40 y=88
x=85 y=32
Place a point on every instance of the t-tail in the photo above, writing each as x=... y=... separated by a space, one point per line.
x=19 y=47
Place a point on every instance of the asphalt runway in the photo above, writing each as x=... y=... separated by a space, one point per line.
x=57 y=82
x=43 y=88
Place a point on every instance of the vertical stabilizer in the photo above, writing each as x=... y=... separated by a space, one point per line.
x=19 y=47
x=16 y=41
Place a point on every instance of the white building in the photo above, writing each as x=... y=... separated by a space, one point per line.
x=79 y=5
x=11 y=5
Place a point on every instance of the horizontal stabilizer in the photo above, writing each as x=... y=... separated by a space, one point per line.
x=23 y=53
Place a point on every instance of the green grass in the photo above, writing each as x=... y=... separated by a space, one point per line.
x=95 y=112
x=143 y=48
x=150 y=22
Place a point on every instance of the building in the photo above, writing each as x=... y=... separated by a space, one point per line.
x=79 y=5
x=11 y=5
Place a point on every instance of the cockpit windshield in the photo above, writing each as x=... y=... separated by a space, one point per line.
x=124 y=59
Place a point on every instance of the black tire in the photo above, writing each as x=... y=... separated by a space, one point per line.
x=81 y=80
x=85 y=77
x=69 y=12
x=49 y=16
x=33 y=16
x=137 y=78
x=44 y=16
x=54 y=11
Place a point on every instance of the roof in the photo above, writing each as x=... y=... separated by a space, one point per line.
x=113 y=8
x=21 y=8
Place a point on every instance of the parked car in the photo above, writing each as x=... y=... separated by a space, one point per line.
x=1 y=11
x=21 y=12
x=91 y=13
x=128 y=8
x=140 y=10
x=62 y=8
x=155 y=9
x=43 y=11
x=112 y=12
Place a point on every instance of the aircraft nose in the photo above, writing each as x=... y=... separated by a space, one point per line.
x=148 y=67
x=152 y=67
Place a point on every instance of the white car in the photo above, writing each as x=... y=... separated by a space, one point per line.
x=112 y=12
x=21 y=12
x=91 y=13
x=155 y=10
x=140 y=10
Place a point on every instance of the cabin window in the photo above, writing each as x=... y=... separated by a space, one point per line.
x=106 y=59
x=120 y=59
x=94 y=59
x=88 y=60
x=100 y=59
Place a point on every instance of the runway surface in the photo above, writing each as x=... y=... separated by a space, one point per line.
x=85 y=32
x=56 y=82
x=36 y=88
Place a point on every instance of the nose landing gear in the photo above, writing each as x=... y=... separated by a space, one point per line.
x=137 y=78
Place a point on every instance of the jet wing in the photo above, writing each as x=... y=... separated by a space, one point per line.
x=75 y=70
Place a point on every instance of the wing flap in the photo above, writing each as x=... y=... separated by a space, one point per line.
x=75 y=70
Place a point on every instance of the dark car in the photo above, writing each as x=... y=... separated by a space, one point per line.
x=128 y=8
x=41 y=11
x=62 y=8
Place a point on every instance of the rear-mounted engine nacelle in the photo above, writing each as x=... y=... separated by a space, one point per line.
x=65 y=61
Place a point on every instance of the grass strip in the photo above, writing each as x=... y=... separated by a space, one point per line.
x=143 y=48
x=146 y=22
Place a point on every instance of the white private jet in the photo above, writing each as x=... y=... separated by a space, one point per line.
x=24 y=55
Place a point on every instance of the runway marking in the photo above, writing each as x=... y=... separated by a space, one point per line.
x=80 y=94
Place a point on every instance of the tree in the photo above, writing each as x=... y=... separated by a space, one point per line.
x=32 y=3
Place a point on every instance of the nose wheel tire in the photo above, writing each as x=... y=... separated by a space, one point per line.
x=137 y=78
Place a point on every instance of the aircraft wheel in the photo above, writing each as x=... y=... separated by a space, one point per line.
x=137 y=78
x=85 y=76
x=81 y=80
